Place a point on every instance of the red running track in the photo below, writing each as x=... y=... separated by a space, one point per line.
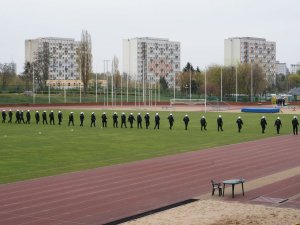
x=107 y=194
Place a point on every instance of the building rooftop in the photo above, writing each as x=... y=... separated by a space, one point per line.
x=251 y=38
x=53 y=38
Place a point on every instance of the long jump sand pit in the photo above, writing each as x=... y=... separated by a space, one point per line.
x=215 y=212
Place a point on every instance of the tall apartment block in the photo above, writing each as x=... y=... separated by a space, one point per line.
x=151 y=58
x=281 y=68
x=62 y=61
x=295 y=68
x=252 y=50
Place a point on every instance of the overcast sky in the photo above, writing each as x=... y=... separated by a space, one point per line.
x=200 y=25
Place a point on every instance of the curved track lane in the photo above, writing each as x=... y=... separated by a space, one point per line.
x=107 y=194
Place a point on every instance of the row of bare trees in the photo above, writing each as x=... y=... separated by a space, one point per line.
x=7 y=74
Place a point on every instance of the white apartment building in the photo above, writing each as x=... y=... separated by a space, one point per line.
x=295 y=68
x=281 y=68
x=62 y=51
x=149 y=59
x=252 y=50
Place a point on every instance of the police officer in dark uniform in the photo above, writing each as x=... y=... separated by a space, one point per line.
x=147 y=120
x=93 y=119
x=295 y=124
x=51 y=117
x=59 y=116
x=203 y=123
x=239 y=123
x=139 y=120
x=115 y=120
x=28 y=117
x=3 y=116
x=81 y=117
x=44 y=117
x=37 y=117
x=104 y=120
x=71 y=118
x=22 y=117
x=123 y=120
x=171 y=120
x=263 y=124
x=186 y=121
x=131 y=119
x=157 y=121
x=17 y=116
x=220 y=123
x=278 y=124
x=10 y=115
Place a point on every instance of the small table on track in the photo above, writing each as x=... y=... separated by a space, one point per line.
x=233 y=182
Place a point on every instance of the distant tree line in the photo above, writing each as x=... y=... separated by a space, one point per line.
x=189 y=76
x=7 y=74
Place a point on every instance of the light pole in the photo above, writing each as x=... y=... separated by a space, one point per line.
x=174 y=84
x=150 y=89
x=65 y=97
x=190 y=84
x=121 y=90
x=138 y=91
x=205 y=90
x=106 y=73
x=143 y=80
x=251 y=83
x=155 y=89
x=135 y=92
x=221 y=84
x=236 y=85
x=49 y=95
x=80 y=86
x=127 y=87
x=112 y=83
x=96 y=87
x=33 y=94
x=103 y=85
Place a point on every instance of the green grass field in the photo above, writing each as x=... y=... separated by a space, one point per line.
x=31 y=151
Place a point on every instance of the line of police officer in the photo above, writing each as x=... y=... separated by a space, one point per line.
x=20 y=119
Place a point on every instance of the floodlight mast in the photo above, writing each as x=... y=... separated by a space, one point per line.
x=33 y=94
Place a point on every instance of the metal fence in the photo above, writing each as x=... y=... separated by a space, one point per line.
x=22 y=95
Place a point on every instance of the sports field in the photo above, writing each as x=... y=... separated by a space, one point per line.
x=31 y=151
